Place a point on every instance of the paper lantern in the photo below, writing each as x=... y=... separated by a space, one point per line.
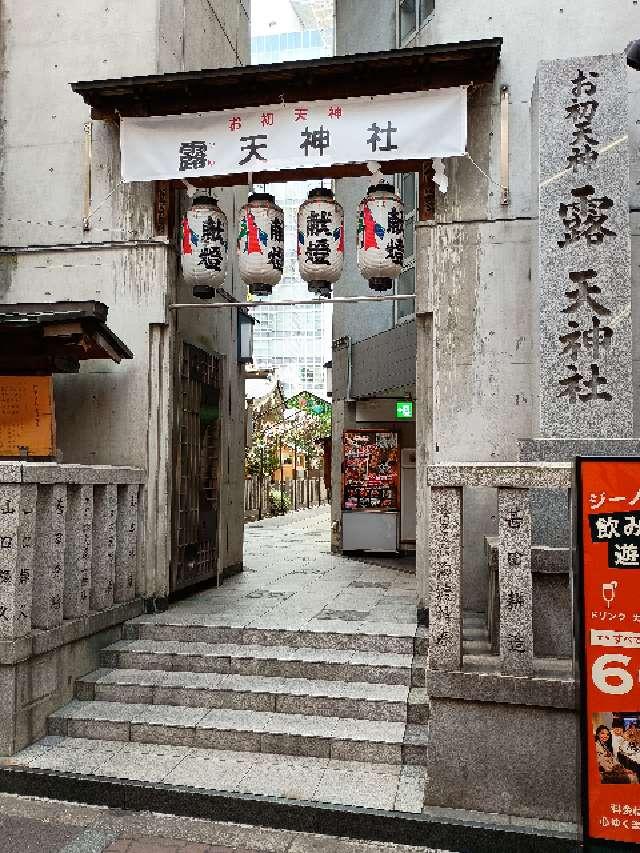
x=320 y=241
x=380 y=236
x=205 y=246
x=261 y=243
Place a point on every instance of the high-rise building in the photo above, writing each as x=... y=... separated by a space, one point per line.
x=294 y=339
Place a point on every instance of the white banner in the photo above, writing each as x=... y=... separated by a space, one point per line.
x=418 y=125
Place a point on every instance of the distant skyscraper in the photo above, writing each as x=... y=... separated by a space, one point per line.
x=295 y=339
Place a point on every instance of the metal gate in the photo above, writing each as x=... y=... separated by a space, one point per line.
x=195 y=537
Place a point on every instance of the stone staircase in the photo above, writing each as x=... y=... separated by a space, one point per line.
x=346 y=697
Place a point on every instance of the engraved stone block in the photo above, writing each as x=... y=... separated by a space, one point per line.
x=78 y=548
x=445 y=611
x=48 y=581
x=583 y=258
x=514 y=573
x=105 y=505
x=17 y=536
x=126 y=543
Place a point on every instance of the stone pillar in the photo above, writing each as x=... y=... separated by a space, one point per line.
x=48 y=580
x=78 y=548
x=126 y=543
x=445 y=610
x=582 y=272
x=105 y=504
x=514 y=573
x=584 y=266
x=17 y=538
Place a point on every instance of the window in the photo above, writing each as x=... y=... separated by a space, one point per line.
x=407 y=15
x=406 y=283
x=412 y=14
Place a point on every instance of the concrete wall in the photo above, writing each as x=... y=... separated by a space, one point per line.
x=110 y=413
x=360 y=27
x=476 y=262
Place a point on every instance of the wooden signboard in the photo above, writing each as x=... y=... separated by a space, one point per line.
x=27 y=424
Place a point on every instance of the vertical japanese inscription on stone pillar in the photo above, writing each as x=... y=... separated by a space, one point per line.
x=126 y=543
x=48 y=581
x=514 y=571
x=78 y=550
x=17 y=535
x=105 y=505
x=584 y=249
x=445 y=613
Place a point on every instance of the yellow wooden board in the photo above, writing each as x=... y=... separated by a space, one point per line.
x=26 y=416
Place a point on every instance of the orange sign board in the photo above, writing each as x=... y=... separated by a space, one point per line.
x=608 y=496
x=26 y=416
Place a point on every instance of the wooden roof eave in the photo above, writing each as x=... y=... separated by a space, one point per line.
x=385 y=72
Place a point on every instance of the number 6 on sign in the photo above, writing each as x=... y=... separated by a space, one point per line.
x=602 y=673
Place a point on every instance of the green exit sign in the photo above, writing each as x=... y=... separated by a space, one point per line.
x=404 y=409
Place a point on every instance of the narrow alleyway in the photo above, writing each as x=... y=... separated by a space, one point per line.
x=293 y=680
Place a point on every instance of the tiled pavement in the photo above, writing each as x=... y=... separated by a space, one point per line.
x=30 y=825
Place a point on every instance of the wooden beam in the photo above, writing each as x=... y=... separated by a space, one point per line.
x=348 y=170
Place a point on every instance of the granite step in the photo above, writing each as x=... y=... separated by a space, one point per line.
x=271 y=661
x=298 y=778
x=396 y=639
x=476 y=647
x=347 y=699
x=291 y=734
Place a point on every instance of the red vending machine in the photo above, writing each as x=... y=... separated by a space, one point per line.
x=370 y=490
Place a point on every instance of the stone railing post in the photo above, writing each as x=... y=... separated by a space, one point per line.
x=48 y=580
x=514 y=578
x=17 y=538
x=78 y=551
x=105 y=505
x=126 y=534
x=445 y=549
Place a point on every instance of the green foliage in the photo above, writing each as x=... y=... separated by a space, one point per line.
x=279 y=502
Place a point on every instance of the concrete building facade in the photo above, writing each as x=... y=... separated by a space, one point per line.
x=70 y=229
x=480 y=398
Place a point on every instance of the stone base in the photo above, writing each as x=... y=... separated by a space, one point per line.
x=512 y=759
x=37 y=675
x=549 y=509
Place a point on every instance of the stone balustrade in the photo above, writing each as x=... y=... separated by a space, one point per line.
x=513 y=483
x=68 y=542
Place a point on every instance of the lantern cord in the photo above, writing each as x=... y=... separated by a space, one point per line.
x=339 y=300
x=482 y=171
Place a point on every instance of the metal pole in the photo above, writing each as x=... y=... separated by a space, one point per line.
x=336 y=300
x=281 y=480
x=295 y=476
x=261 y=483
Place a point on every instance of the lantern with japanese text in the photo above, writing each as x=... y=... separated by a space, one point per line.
x=261 y=243
x=205 y=246
x=320 y=241
x=380 y=236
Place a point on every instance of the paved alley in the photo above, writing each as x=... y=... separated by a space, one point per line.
x=296 y=679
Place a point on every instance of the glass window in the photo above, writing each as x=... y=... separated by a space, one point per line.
x=406 y=283
x=426 y=8
x=408 y=191
x=409 y=230
x=407 y=18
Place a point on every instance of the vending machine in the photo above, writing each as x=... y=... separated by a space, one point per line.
x=370 y=490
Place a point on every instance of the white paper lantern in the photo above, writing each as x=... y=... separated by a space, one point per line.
x=261 y=243
x=380 y=236
x=205 y=246
x=320 y=241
